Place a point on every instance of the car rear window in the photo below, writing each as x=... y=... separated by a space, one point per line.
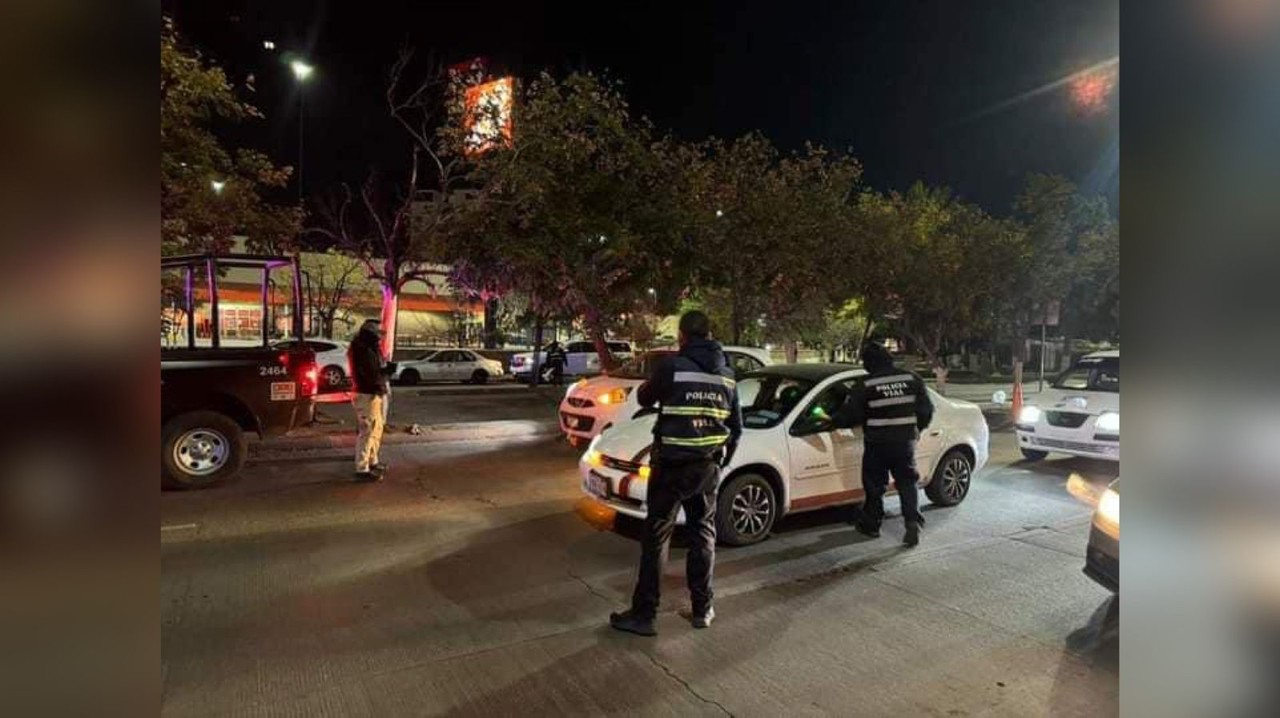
x=620 y=347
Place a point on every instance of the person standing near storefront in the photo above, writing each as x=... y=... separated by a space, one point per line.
x=369 y=375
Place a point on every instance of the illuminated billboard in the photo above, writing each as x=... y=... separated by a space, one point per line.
x=487 y=115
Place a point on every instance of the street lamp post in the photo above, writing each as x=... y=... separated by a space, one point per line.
x=301 y=71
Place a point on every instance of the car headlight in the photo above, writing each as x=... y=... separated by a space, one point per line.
x=1109 y=509
x=1029 y=415
x=594 y=458
x=1109 y=422
x=644 y=471
x=616 y=396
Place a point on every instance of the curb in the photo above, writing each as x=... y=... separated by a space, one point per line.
x=431 y=433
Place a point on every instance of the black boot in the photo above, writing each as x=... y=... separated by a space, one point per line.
x=631 y=623
x=912 y=536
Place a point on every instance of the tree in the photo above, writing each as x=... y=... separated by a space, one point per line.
x=767 y=227
x=332 y=281
x=938 y=267
x=402 y=231
x=1069 y=244
x=585 y=211
x=208 y=193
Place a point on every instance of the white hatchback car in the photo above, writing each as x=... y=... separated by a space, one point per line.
x=447 y=365
x=788 y=459
x=591 y=406
x=1079 y=414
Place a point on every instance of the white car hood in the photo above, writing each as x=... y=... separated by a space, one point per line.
x=1092 y=402
x=598 y=385
x=627 y=439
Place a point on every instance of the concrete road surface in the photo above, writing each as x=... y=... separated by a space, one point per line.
x=466 y=584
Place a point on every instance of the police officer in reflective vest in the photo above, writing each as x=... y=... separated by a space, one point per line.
x=893 y=407
x=699 y=423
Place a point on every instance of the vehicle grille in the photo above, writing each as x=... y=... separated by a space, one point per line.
x=580 y=402
x=576 y=422
x=1065 y=419
x=1075 y=446
x=630 y=467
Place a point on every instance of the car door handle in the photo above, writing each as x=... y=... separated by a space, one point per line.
x=936 y=432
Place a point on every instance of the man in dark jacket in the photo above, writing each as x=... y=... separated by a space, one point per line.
x=369 y=375
x=892 y=405
x=699 y=424
x=556 y=359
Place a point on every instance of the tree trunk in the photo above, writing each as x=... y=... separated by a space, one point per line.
x=735 y=319
x=390 y=307
x=607 y=362
x=491 y=324
x=537 y=348
x=793 y=351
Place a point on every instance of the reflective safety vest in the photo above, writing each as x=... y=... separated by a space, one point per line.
x=691 y=422
x=892 y=400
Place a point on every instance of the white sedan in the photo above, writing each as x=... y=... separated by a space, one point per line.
x=788 y=460
x=592 y=405
x=448 y=365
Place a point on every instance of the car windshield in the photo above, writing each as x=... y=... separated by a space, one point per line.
x=766 y=400
x=1091 y=374
x=641 y=367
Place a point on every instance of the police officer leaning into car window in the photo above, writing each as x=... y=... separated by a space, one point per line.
x=698 y=427
x=892 y=406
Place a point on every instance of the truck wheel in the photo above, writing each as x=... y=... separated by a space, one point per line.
x=951 y=479
x=199 y=449
x=1033 y=455
x=479 y=376
x=745 y=510
x=410 y=377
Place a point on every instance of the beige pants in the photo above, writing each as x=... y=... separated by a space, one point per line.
x=372 y=416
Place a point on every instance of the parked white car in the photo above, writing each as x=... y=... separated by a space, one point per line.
x=789 y=460
x=462 y=365
x=581 y=359
x=591 y=406
x=331 y=358
x=1079 y=414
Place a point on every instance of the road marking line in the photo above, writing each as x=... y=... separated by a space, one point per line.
x=178 y=527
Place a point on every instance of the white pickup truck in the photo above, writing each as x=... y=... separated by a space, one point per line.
x=582 y=359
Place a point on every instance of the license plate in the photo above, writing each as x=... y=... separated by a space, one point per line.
x=598 y=485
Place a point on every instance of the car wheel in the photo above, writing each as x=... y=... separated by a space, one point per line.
x=410 y=377
x=746 y=510
x=199 y=449
x=334 y=377
x=951 y=479
x=1033 y=455
x=479 y=376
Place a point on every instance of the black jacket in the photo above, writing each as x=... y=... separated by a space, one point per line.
x=892 y=405
x=368 y=373
x=662 y=388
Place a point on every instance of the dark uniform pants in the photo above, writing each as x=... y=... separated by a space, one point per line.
x=693 y=486
x=879 y=460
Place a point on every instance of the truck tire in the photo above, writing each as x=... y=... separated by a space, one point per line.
x=200 y=449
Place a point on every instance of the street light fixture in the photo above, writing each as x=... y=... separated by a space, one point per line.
x=302 y=72
x=719 y=213
x=268 y=45
x=218 y=186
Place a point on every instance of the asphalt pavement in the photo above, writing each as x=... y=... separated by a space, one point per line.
x=466 y=584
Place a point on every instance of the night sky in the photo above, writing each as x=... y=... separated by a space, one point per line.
x=904 y=85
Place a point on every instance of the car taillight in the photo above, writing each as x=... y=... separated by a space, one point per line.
x=309 y=380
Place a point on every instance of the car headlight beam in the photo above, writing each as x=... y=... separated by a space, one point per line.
x=1109 y=509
